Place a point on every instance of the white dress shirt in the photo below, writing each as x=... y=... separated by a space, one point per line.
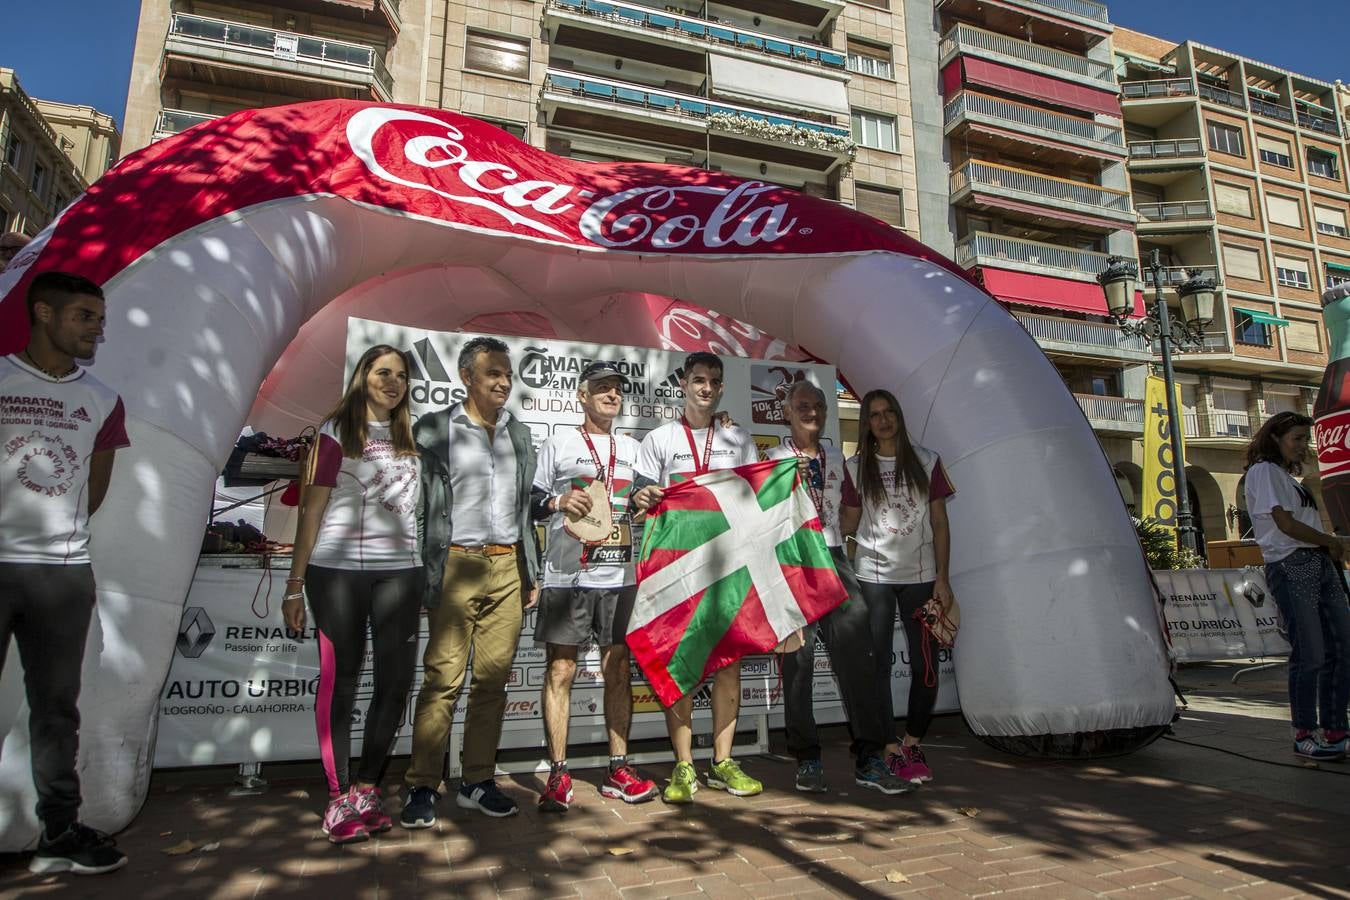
x=483 y=479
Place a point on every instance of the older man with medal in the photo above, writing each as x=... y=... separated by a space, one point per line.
x=846 y=629
x=581 y=485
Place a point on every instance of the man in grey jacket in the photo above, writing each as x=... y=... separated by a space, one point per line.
x=478 y=548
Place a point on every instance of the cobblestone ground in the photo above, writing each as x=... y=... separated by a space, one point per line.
x=1177 y=819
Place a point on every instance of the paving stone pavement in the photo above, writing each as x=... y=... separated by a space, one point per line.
x=1173 y=820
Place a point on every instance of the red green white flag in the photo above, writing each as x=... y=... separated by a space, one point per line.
x=732 y=563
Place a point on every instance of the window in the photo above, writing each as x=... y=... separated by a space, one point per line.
x=495 y=54
x=883 y=203
x=1283 y=211
x=14 y=152
x=1335 y=275
x=1241 y=262
x=1225 y=138
x=61 y=202
x=39 y=180
x=1292 y=272
x=869 y=59
x=1321 y=163
x=1233 y=199
x=1330 y=220
x=1277 y=401
x=1104 y=383
x=1247 y=330
x=874 y=130
x=1300 y=335
x=1274 y=152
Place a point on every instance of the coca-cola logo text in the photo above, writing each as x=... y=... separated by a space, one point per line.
x=1332 y=433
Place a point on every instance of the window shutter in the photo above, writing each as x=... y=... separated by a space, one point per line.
x=1325 y=215
x=1233 y=199
x=500 y=55
x=1301 y=335
x=1272 y=145
x=1241 y=262
x=1283 y=211
x=886 y=205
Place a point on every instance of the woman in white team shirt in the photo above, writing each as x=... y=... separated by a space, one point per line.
x=357 y=557
x=903 y=548
x=1304 y=573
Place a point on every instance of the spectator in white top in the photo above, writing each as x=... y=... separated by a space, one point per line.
x=357 y=545
x=1305 y=573
x=60 y=428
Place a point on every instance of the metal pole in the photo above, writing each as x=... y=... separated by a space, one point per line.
x=1185 y=527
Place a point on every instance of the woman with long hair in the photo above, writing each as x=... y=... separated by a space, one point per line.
x=357 y=558
x=904 y=545
x=1304 y=572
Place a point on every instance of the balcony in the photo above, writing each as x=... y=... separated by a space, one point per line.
x=1002 y=251
x=1218 y=426
x=1157 y=89
x=173 y=121
x=1043 y=190
x=1270 y=110
x=1181 y=212
x=702 y=33
x=1088 y=339
x=276 y=62
x=1158 y=151
x=966 y=39
x=1173 y=275
x=1082 y=9
x=979 y=108
x=1222 y=97
x=1322 y=124
x=1116 y=415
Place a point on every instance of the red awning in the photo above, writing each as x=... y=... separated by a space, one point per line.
x=1044 y=290
x=1028 y=84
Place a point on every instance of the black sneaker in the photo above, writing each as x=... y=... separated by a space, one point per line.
x=78 y=849
x=487 y=798
x=419 y=809
x=811 y=777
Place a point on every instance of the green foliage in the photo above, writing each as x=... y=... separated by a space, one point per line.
x=1160 y=547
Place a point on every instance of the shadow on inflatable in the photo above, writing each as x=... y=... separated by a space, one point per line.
x=232 y=255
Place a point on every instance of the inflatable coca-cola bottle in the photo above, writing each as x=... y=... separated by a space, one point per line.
x=1331 y=413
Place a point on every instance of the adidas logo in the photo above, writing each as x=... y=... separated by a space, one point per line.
x=669 y=387
x=431 y=381
x=81 y=415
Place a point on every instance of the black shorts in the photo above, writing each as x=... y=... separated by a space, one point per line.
x=574 y=617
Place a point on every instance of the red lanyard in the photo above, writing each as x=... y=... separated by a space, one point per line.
x=604 y=474
x=700 y=466
x=816 y=495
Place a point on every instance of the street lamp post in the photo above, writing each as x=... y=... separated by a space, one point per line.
x=1197 y=302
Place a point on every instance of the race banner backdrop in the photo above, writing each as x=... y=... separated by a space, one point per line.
x=1215 y=614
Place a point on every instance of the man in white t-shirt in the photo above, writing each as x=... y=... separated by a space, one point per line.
x=60 y=428
x=678 y=451
x=589 y=586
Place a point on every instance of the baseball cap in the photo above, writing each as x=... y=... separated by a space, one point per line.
x=602 y=369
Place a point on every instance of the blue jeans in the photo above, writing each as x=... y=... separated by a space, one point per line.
x=1311 y=595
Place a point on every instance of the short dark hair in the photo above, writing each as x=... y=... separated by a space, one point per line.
x=701 y=358
x=1265 y=444
x=47 y=287
x=480 y=345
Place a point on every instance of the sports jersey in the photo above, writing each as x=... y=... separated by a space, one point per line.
x=667 y=456
x=895 y=538
x=371 y=519
x=565 y=462
x=49 y=428
x=838 y=488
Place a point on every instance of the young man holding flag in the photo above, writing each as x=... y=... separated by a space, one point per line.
x=846 y=629
x=678 y=451
x=584 y=477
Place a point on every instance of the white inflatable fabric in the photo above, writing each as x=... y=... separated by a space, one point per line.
x=231 y=256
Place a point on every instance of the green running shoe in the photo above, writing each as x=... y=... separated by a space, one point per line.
x=727 y=776
x=683 y=784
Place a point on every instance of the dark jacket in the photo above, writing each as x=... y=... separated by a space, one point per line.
x=432 y=433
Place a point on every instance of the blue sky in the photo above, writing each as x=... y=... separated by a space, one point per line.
x=93 y=64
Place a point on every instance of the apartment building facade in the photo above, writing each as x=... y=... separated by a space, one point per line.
x=38 y=177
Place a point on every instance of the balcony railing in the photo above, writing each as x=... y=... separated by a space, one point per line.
x=1088 y=335
x=966 y=38
x=984 y=248
x=283 y=45
x=1114 y=410
x=1315 y=122
x=1031 y=117
x=1221 y=425
x=1157 y=88
x=1270 y=110
x=1172 y=275
x=1219 y=95
x=1084 y=9
x=1039 y=188
x=1185 y=148
x=712 y=33
x=635 y=96
x=173 y=121
x=1179 y=211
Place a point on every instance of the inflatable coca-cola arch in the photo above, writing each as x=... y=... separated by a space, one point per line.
x=232 y=254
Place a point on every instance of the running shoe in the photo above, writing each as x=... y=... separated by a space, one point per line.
x=419 y=809
x=487 y=798
x=1312 y=747
x=79 y=849
x=875 y=775
x=899 y=765
x=918 y=764
x=1341 y=746
x=683 y=784
x=811 y=777
x=342 y=823
x=557 y=795
x=624 y=783
x=728 y=776
x=369 y=802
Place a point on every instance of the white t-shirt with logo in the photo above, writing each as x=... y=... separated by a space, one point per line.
x=838 y=490
x=49 y=428
x=565 y=463
x=1268 y=486
x=666 y=457
x=371 y=519
x=895 y=538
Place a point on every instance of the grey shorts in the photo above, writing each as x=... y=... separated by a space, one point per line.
x=574 y=617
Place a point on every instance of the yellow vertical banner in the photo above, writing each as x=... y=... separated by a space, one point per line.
x=1160 y=477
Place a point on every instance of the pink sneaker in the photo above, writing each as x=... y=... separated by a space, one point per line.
x=917 y=764
x=370 y=804
x=900 y=768
x=342 y=823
